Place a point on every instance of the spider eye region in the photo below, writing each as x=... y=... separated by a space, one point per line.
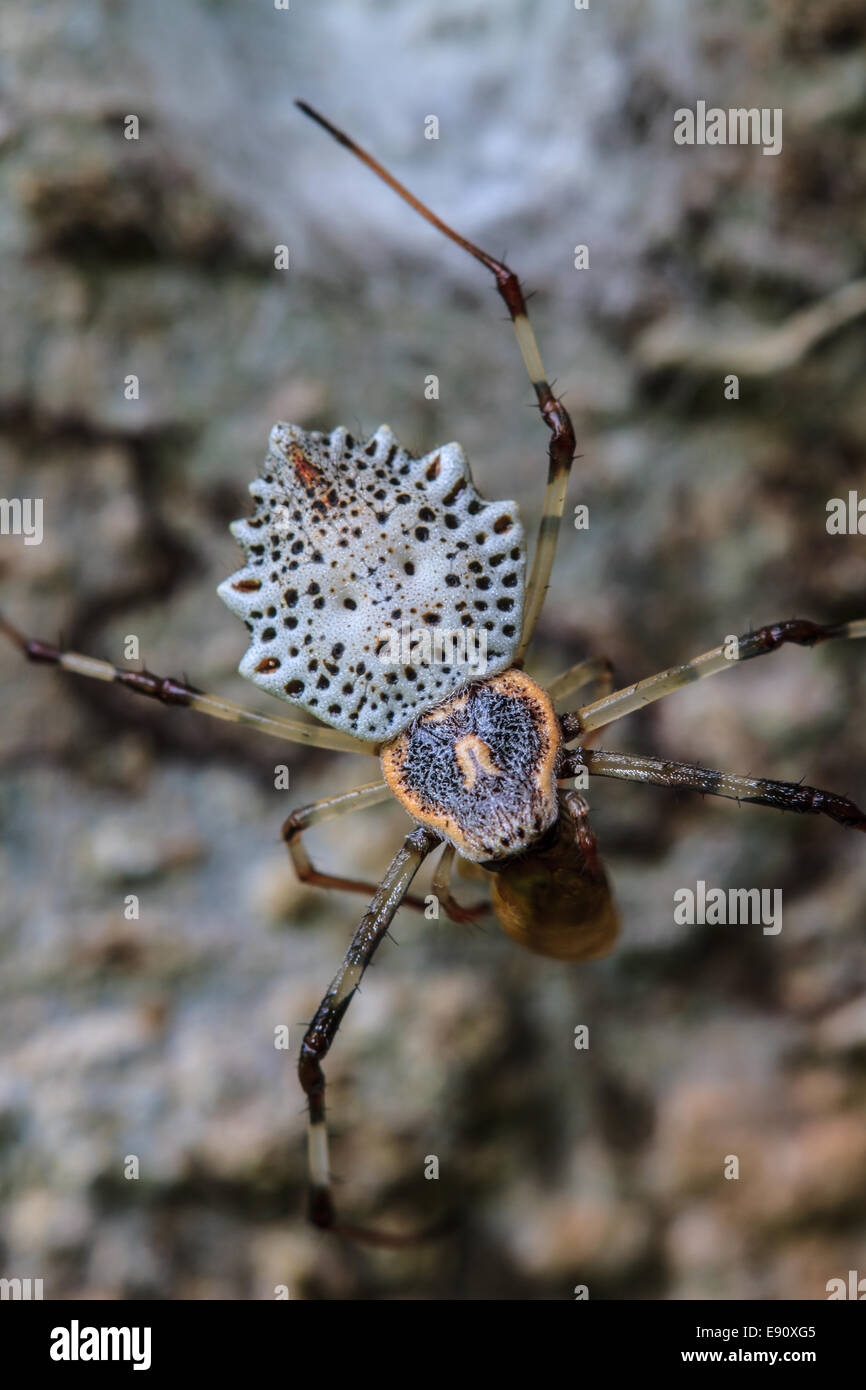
x=480 y=767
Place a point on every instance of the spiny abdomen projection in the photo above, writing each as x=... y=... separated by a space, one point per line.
x=480 y=769
x=359 y=558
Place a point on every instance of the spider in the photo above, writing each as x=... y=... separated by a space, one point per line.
x=348 y=539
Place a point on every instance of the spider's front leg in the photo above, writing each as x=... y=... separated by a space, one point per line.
x=329 y=1015
x=763 y=640
x=561 y=446
x=169 y=691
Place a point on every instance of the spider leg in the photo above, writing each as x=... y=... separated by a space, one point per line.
x=553 y=412
x=370 y=794
x=329 y=1015
x=762 y=640
x=441 y=887
x=597 y=671
x=781 y=796
x=173 y=692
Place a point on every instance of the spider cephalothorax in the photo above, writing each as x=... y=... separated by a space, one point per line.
x=480 y=768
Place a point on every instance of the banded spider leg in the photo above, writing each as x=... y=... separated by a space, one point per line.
x=782 y=796
x=562 y=443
